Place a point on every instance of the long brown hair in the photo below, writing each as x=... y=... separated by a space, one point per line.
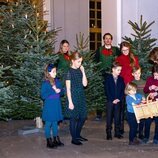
x=155 y=68
x=47 y=76
x=131 y=55
x=153 y=56
x=61 y=44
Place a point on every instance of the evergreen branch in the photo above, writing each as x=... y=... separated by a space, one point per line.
x=131 y=23
x=150 y=25
x=146 y=37
x=143 y=28
x=145 y=32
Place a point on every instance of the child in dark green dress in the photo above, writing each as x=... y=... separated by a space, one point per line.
x=76 y=80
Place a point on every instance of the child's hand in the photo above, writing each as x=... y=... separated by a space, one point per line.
x=82 y=68
x=57 y=90
x=143 y=100
x=71 y=106
x=153 y=95
x=116 y=101
x=153 y=87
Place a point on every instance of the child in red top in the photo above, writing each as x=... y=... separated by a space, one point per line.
x=128 y=60
x=151 y=87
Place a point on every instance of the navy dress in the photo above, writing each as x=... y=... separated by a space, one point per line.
x=52 y=110
x=77 y=94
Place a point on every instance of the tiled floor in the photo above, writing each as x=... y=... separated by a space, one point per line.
x=13 y=145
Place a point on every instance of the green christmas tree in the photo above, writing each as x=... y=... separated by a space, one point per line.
x=142 y=43
x=4 y=91
x=27 y=46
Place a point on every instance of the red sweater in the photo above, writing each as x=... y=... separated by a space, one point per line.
x=126 y=71
x=150 y=81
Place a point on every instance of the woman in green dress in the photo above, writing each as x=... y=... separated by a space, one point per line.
x=76 y=109
x=64 y=56
x=63 y=64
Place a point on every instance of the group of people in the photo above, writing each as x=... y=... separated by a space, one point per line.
x=52 y=89
x=125 y=88
x=123 y=85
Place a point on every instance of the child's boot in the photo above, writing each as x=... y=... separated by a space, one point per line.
x=57 y=141
x=109 y=136
x=50 y=144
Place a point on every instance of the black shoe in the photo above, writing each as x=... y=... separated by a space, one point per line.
x=57 y=142
x=76 y=142
x=82 y=139
x=141 y=137
x=109 y=137
x=50 y=144
x=119 y=136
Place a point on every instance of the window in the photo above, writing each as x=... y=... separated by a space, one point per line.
x=95 y=24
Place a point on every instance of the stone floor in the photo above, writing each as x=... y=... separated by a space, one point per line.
x=13 y=145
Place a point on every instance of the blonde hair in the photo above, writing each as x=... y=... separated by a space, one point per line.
x=130 y=86
x=136 y=68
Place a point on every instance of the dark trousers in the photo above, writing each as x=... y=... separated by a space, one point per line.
x=141 y=127
x=132 y=126
x=144 y=127
x=156 y=128
x=122 y=116
x=113 y=112
x=76 y=127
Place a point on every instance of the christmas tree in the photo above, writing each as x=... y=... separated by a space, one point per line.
x=26 y=46
x=142 y=43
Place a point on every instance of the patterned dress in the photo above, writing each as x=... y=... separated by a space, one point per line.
x=77 y=94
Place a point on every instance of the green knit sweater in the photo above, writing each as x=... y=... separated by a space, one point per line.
x=140 y=86
x=106 y=60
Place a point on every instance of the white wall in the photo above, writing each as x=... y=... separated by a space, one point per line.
x=117 y=13
x=72 y=16
x=132 y=10
x=109 y=18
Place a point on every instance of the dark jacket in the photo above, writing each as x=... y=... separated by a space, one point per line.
x=114 y=90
